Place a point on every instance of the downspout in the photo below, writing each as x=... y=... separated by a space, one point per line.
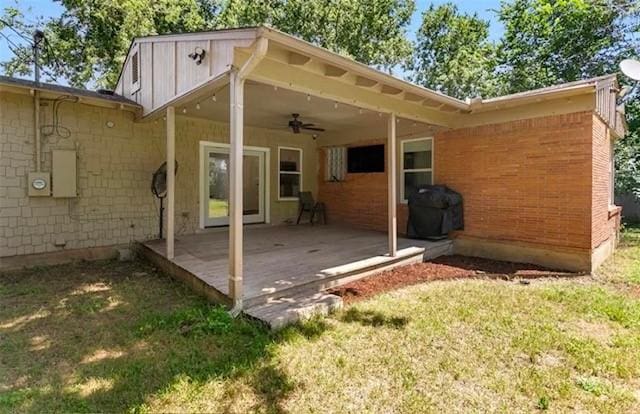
x=36 y=126
x=256 y=57
x=38 y=36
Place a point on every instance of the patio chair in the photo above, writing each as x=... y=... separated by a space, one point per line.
x=308 y=204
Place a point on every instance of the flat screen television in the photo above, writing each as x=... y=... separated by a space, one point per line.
x=367 y=159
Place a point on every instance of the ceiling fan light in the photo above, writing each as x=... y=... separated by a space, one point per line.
x=198 y=106
x=335 y=105
x=213 y=98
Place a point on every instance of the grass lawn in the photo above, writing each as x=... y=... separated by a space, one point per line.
x=115 y=337
x=218 y=208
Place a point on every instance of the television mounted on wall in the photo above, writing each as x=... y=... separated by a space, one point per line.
x=367 y=159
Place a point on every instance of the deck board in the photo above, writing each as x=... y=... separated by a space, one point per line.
x=279 y=257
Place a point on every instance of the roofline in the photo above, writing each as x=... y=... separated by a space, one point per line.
x=468 y=105
x=357 y=67
x=85 y=95
x=550 y=92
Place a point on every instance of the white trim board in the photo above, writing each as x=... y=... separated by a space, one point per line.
x=300 y=150
x=402 y=171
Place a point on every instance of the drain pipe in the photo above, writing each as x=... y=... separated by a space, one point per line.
x=256 y=57
x=38 y=36
x=36 y=126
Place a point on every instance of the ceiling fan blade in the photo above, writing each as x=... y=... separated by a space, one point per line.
x=313 y=128
x=307 y=125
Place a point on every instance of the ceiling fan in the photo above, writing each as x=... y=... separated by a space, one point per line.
x=296 y=125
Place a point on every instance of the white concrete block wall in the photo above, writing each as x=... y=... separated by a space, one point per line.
x=115 y=204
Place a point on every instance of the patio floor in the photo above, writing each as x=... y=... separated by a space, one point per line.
x=280 y=258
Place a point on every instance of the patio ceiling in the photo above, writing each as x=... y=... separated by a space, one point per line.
x=270 y=107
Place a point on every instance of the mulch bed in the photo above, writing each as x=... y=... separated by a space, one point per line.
x=442 y=268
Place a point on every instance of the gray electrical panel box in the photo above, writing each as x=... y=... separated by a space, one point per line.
x=64 y=174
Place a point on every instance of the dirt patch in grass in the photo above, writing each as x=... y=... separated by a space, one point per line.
x=443 y=268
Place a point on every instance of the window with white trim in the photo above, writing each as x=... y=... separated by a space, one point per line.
x=289 y=173
x=417 y=165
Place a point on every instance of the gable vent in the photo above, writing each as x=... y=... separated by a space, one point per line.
x=134 y=68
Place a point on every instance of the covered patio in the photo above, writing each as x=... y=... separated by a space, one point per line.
x=265 y=81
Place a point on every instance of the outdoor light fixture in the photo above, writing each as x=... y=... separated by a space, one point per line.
x=198 y=55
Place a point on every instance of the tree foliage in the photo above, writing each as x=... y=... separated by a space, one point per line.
x=453 y=54
x=92 y=37
x=627 y=154
x=546 y=42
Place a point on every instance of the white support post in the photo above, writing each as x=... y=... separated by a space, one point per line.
x=171 y=179
x=236 y=92
x=393 y=179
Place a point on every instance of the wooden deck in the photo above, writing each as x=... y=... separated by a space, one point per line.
x=286 y=260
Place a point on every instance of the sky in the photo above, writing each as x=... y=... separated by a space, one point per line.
x=49 y=8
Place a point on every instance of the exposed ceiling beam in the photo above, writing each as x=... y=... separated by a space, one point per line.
x=390 y=90
x=365 y=82
x=334 y=71
x=412 y=97
x=297 y=59
x=430 y=103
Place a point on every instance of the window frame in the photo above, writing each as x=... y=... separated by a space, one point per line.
x=280 y=172
x=403 y=171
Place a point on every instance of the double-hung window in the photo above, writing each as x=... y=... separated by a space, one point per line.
x=417 y=165
x=289 y=173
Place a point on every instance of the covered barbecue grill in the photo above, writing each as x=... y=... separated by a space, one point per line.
x=434 y=211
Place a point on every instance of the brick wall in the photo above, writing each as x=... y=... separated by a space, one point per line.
x=524 y=181
x=605 y=219
x=359 y=200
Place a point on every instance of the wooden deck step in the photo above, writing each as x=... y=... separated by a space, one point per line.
x=339 y=275
x=278 y=313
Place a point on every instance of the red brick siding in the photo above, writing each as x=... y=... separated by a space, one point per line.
x=360 y=200
x=524 y=181
x=527 y=181
x=603 y=226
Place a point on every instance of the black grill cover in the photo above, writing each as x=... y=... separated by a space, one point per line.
x=434 y=211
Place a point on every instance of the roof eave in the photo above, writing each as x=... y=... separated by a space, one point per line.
x=356 y=67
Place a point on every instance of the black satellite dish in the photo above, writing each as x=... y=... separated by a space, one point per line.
x=159 y=188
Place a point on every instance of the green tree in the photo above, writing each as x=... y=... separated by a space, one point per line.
x=553 y=41
x=627 y=154
x=372 y=32
x=92 y=37
x=453 y=54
